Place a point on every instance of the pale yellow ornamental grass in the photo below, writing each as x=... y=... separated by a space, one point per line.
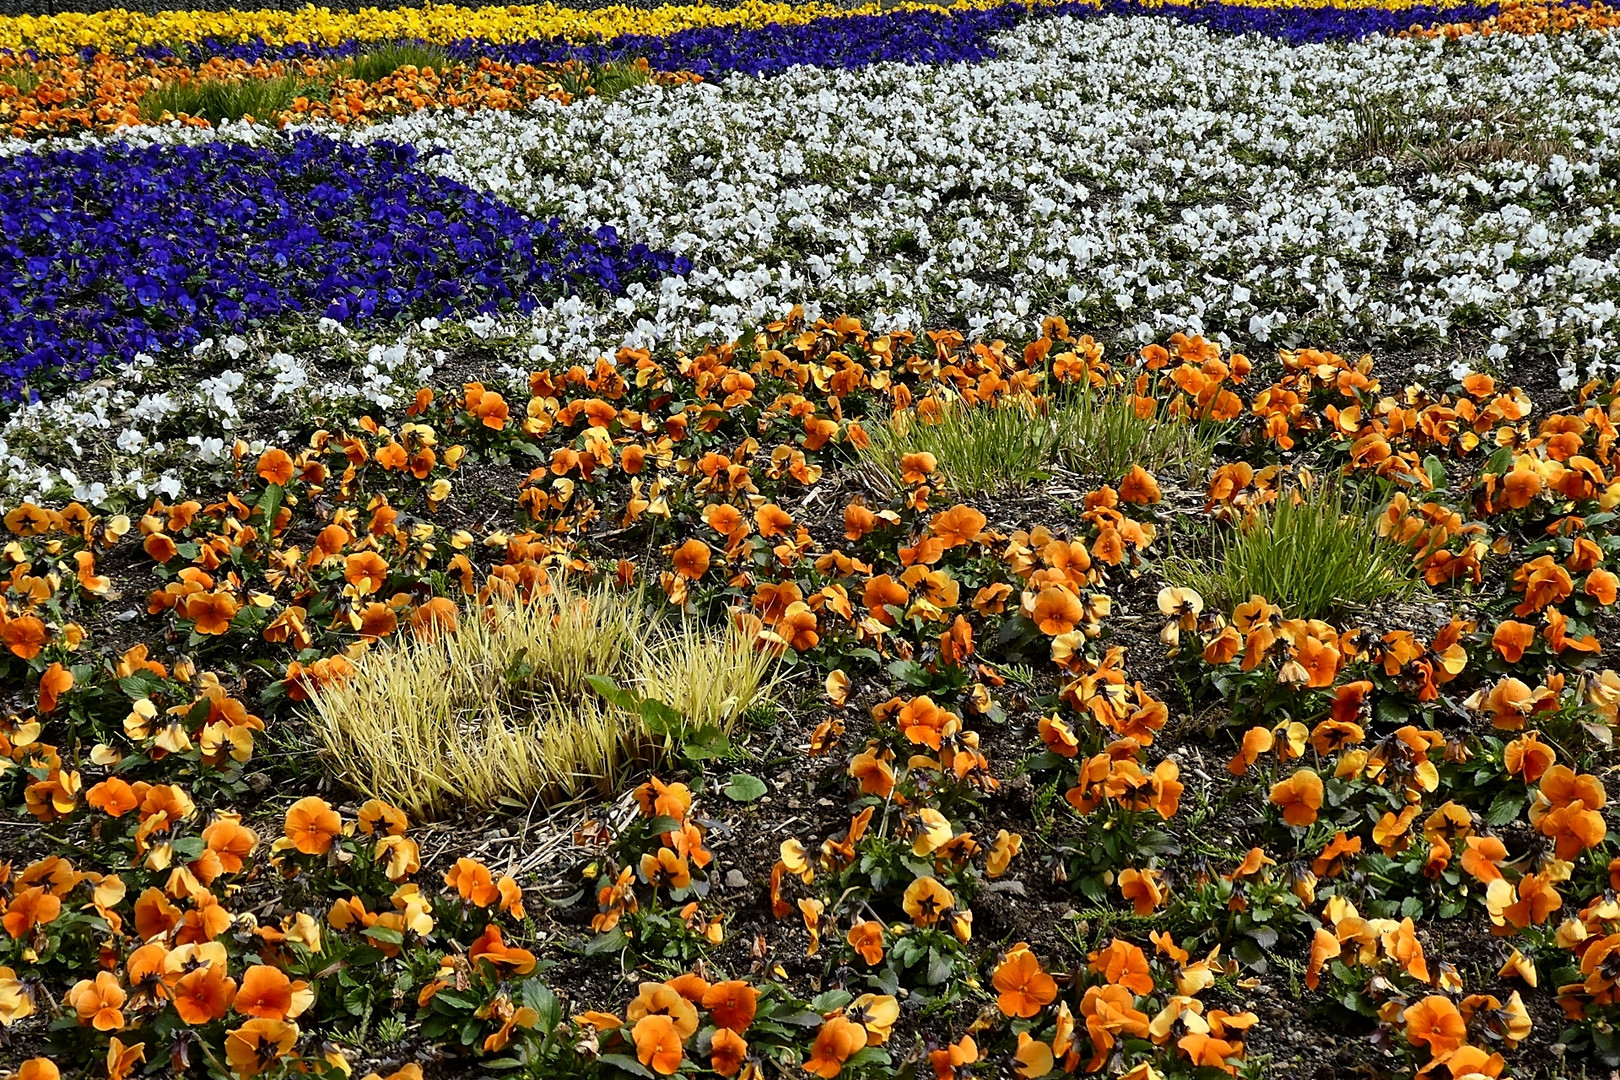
x=498 y=710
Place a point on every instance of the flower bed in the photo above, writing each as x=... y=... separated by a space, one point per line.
x=127 y=251
x=920 y=615
x=67 y=96
x=126 y=31
x=1039 y=541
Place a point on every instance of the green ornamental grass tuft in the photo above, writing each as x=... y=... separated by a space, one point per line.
x=220 y=100
x=379 y=63
x=1314 y=553
x=1017 y=441
x=979 y=449
x=22 y=78
x=606 y=81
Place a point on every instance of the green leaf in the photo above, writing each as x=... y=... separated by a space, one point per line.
x=539 y=997
x=870 y=1055
x=199 y=712
x=910 y=673
x=663 y=823
x=705 y=742
x=829 y=1000
x=1504 y=808
x=269 y=504
x=189 y=847
x=610 y=942
x=939 y=967
x=661 y=719
x=140 y=684
x=1044 y=760
x=385 y=934
x=1248 y=953
x=613 y=693
x=744 y=788
x=1390 y=711
x=519 y=670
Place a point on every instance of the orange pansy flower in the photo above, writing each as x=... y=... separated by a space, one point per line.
x=1511 y=639
x=1056 y=611
x=957 y=526
x=731 y=1004
x=275 y=466
x=1023 y=988
x=203 y=994
x=658 y=1044
x=839 y=1039
x=866 y=938
x=56 y=681
x=312 y=825
x=1436 y=1023
x=727 y=1052
x=1300 y=796
x=926 y=901
x=1140 y=487
x=30 y=907
x=258 y=1045
x=691 y=559
x=267 y=991
x=99 y=1002
x=1124 y=965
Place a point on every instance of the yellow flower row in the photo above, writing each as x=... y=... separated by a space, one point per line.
x=122 y=31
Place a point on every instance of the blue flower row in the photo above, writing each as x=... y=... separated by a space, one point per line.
x=848 y=41
x=115 y=250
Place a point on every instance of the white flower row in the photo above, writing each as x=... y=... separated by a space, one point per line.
x=1137 y=174
x=1452 y=202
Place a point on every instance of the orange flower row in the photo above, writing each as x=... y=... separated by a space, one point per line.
x=65 y=94
x=1528 y=17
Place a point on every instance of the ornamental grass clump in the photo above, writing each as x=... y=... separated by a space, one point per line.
x=606 y=81
x=377 y=64
x=710 y=678
x=1314 y=553
x=979 y=448
x=23 y=79
x=1104 y=434
x=1017 y=440
x=219 y=100
x=499 y=711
